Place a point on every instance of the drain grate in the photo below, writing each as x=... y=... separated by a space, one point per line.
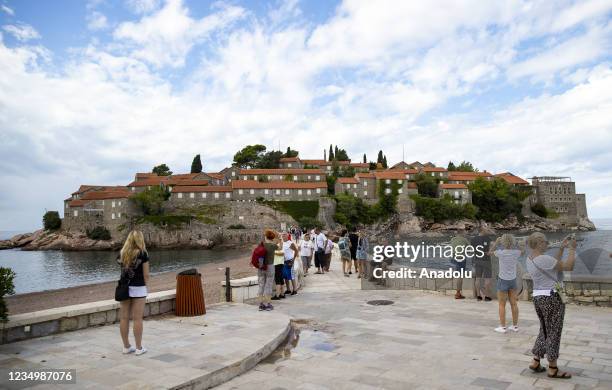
x=380 y=302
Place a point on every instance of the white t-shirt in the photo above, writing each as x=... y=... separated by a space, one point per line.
x=508 y=259
x=320 y=241
x=305 y=248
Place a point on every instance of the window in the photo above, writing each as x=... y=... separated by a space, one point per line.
x=456 y=194
x=180 y=195
x=299 y=192
x=228 y=195
x=354 y=185
x=240 y=192
x=113 y=216
x=400 y=190
x=119 y=215
x=295 y=178
x=388 y=181
x=365 y=193
x=103 y=203
x=318 y=177
x=133 y=189
x=387 y=190
x=308 y=192
x=289 y=165
x=287 y=192
x=266 y=191
x=119 y=203
x=252 y=191
x=365 y=183
x=204 y=195
x=233 y=173
x=254 y=177
x=318 y=190
x=216 y=195
x=75 y=213
x=309 y=177
x=400 y=181
x=113 y=203
x=191 y=195
x=277 y=192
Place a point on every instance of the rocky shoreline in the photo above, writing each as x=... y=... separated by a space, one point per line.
x=399 y=225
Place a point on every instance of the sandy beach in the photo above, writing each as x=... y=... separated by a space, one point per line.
x=212 y=275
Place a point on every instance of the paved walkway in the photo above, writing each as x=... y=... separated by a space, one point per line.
x=421 y=341
x=228 y=340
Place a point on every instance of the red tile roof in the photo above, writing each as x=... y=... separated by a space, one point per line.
x=433 y=169
x=282 y=171
x=76 y=203
x=289 y=159
x=111 y=194
x=467 y=176
x=248 y=184
x=449 y=186
x=365 y=175
x=315 y=162
x=85 y=187
x=219 y=175
x=145 y=175
x=512 y=179
x=348 y=180
x=185 y=189
x=360 y=165
x=393 y=175
x=405 y=171
x=187 y=182
x=155 y=181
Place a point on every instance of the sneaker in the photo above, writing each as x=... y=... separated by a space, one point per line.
x=500 y=329
x=514 y=328
x=269 y=307
x=294 y=293
x=350 y=273
x=140 y=351
x=262 y=307
x=282 y=296
x=275 y=298
x=488 y=299
x=129 y=349
x=479 y=298
x=287 y=292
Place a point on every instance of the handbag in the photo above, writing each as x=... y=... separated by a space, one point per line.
x=122 y=291
x=558 y=288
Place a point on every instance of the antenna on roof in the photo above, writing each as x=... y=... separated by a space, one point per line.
x=403 y=158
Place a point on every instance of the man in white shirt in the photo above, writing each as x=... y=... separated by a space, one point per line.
x=320 y=243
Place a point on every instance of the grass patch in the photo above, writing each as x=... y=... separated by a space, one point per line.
x=295 y=208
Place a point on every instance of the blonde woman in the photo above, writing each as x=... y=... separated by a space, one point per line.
x=547 y=275
x=135 y=268
x=508 y=257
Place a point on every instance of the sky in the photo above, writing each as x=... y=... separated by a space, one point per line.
x=92 y=92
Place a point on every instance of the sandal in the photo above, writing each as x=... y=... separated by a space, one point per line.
x=564 y=375
x=539 y=368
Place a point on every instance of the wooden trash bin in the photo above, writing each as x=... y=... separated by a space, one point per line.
x=189 y=295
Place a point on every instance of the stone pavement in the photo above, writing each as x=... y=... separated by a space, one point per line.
x=421 y=341
x=183 y=351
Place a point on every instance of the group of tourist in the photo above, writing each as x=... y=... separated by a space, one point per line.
x=547 y=275
x=279 y=252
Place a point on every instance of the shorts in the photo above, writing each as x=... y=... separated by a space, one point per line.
x=504 y=285
x=459 y=265
x=137 y=291
x=288 y=272
x=306 y=261
x=353 y=253
x=278 y=274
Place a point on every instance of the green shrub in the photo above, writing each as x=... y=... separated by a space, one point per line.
x=236 y=226
x=297 y=209
x=539 y=210
x=426 y=185
x=52 y=220
x=440 y=209
x=151 y=201
x=496 y=200
x=98 y=233
x=7 y=287
x=352 y=211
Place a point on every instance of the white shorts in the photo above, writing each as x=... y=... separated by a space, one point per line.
x=137 y=291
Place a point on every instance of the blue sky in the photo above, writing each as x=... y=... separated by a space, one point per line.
x=91 y=92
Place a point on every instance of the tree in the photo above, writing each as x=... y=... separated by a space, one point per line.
x=465 y=166
x=496 y=199
x=290 y=153
x=379 y=159
x=196 y=165
x=269 y=160
x=7 y=287
x=249 y=156
x=162 y=170
x=52 y=220
x=384 y=162
x=451 y=166
x=331 y=153
x=365 y=160
x=341 y=155
x=151 y=200
x=426 y=185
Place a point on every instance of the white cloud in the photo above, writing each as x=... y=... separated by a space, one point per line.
x=96 y=21
x=21 y=31
x=166 y=36
x=7 y=10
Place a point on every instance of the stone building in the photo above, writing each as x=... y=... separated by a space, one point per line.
x=291 y=163
x=459 y=177
x=288 y=174
x=186 y=195
x=458 y=192
x=558 y=194
x=97 y=206
x=250 y=190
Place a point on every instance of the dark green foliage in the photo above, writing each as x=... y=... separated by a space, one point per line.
x=7 y=287
x=236 y=226
x=346 y=171
x=98 y=233
x=540 y=210
x=372 y=166
x=351 y=211
x=196 y=165
x=331 y=153
x=365 y=160
x=151 y=200
x=442 y=209
x=331 y=184
x=465 y=166
x=379 y=159
x=162 y=170
x=384 y=162
x=269 y=160
x=426 y=185
x=309 y=223
x=249 y=156
x=496 y=200
x=295 y=208
x=52 y=220
x=341 y=155
x=290 y=153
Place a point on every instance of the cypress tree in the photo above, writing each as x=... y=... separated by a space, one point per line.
x=196 y=165
x=331 y=153
x=365 y=160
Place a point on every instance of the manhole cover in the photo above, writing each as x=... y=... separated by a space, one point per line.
x=380 y=302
